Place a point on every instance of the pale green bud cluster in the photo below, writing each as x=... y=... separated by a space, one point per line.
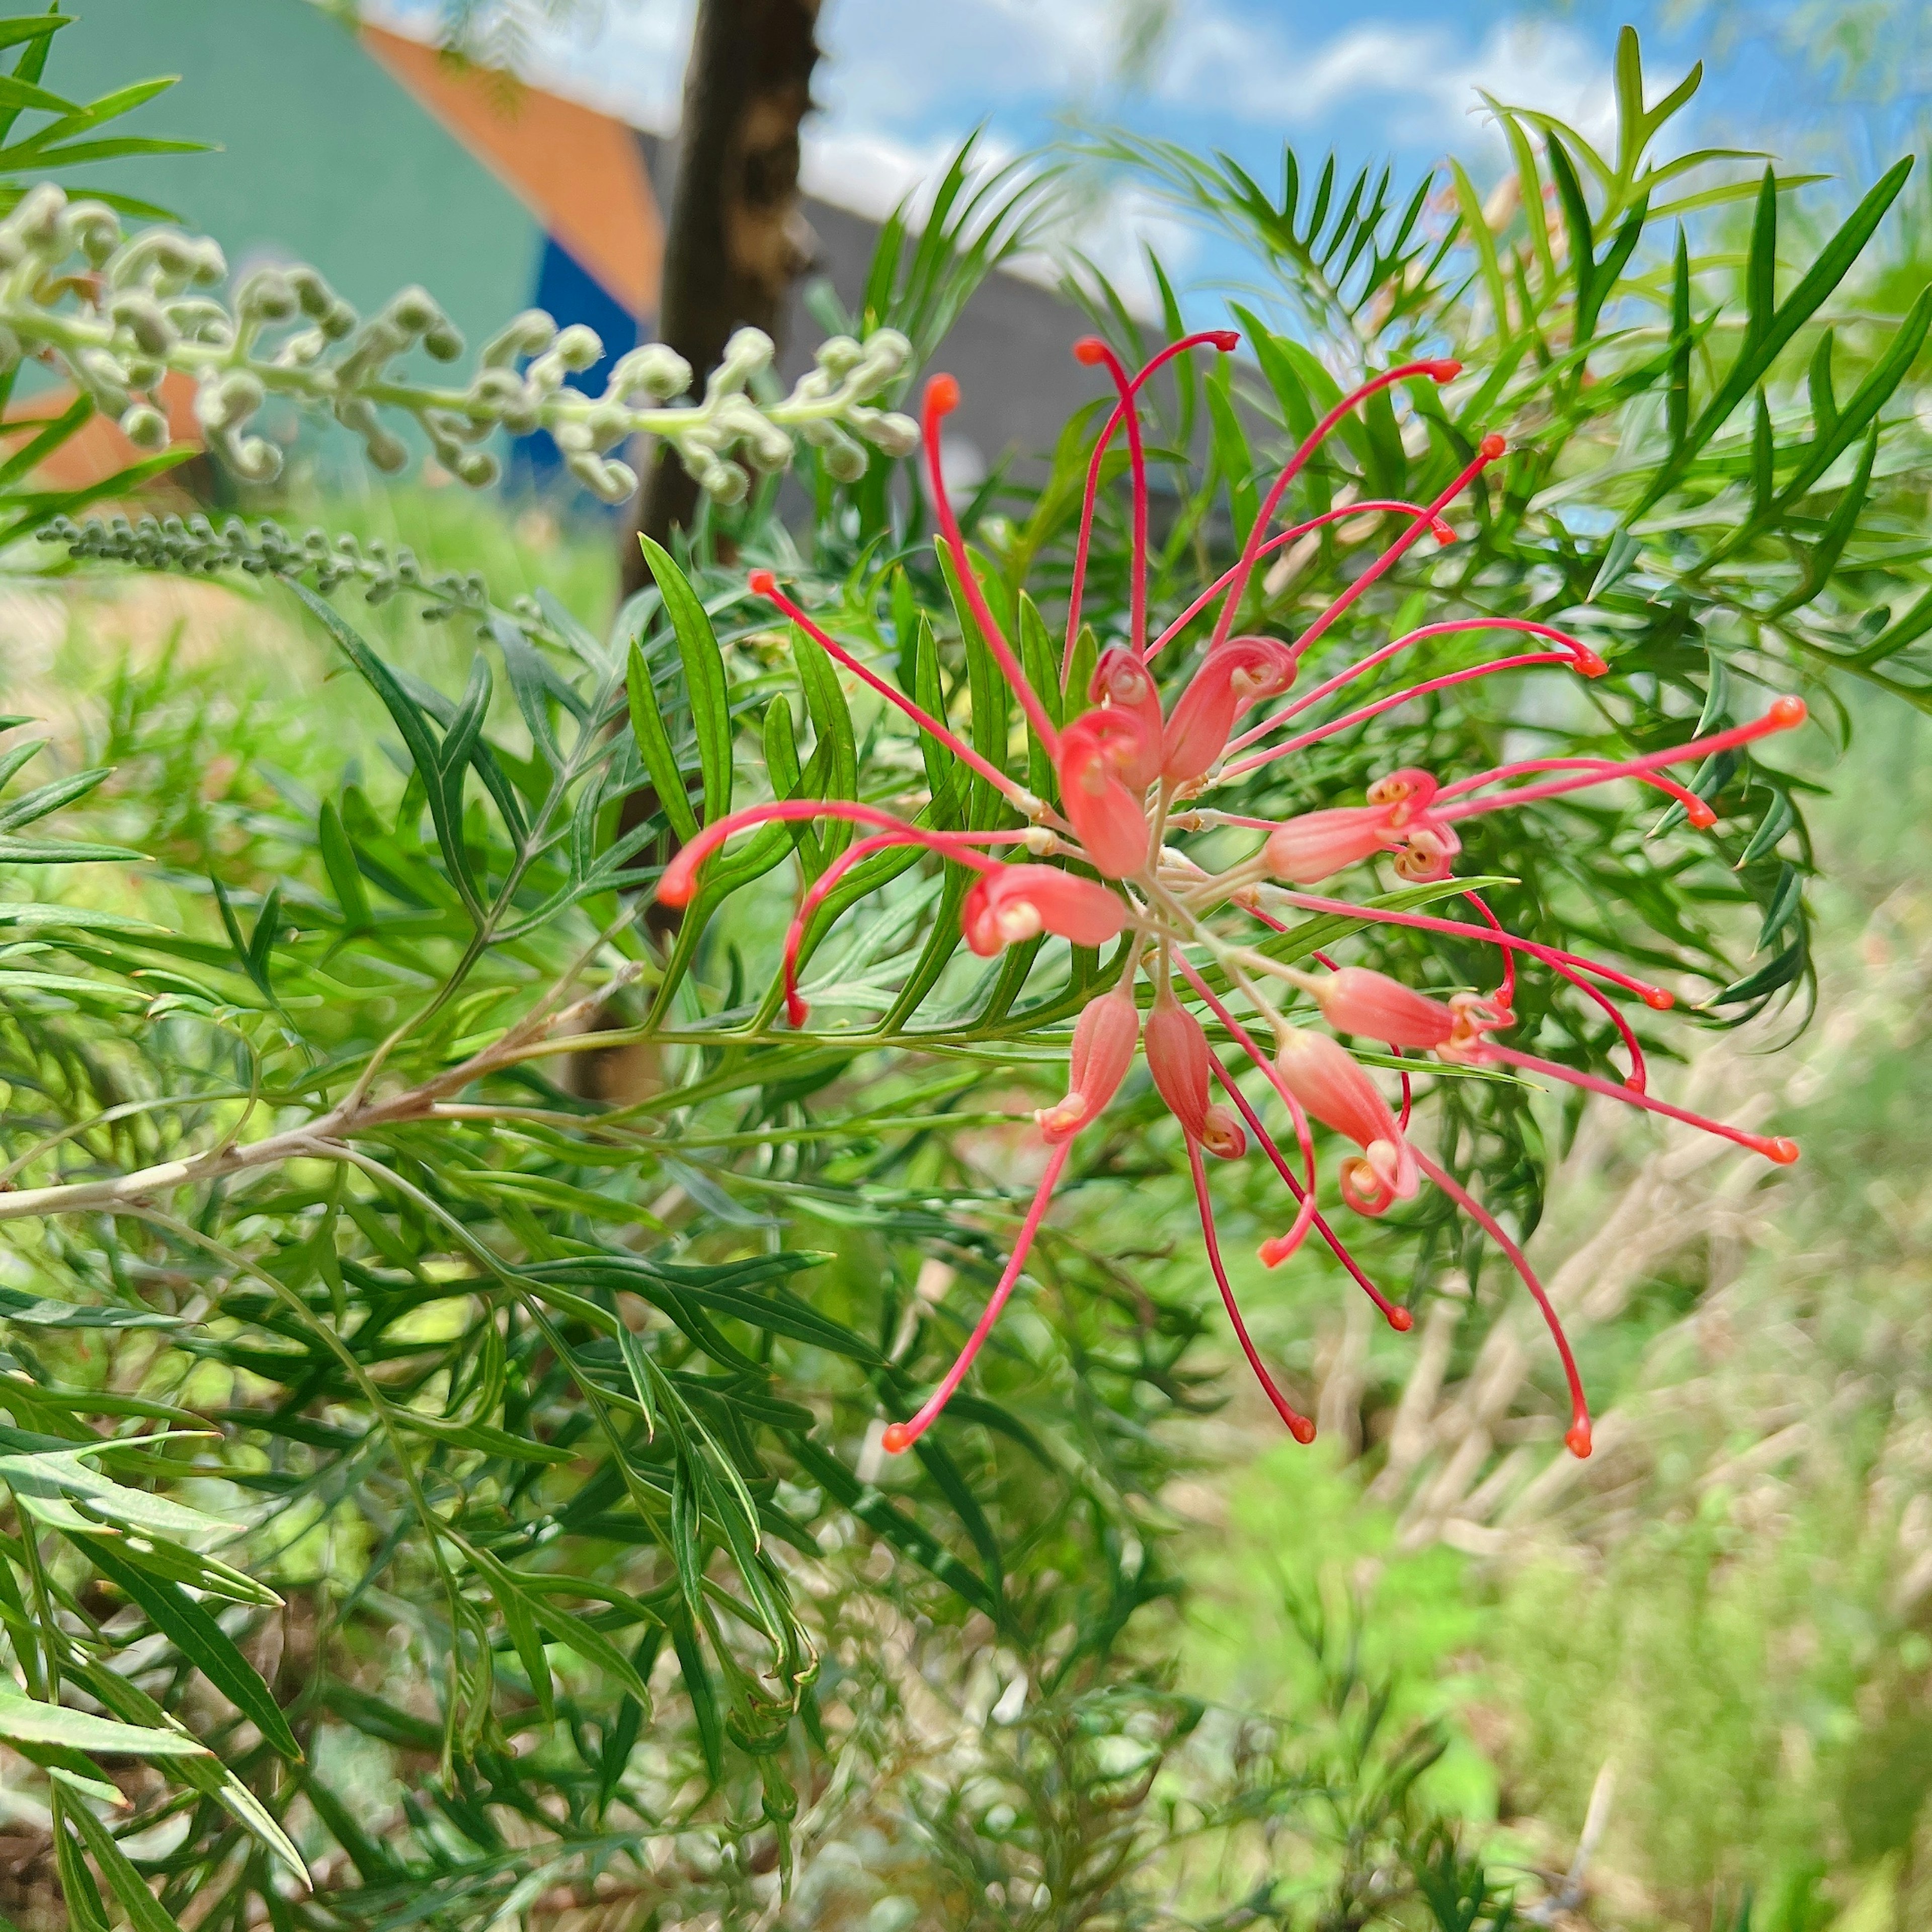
x=196 y=546
x=118 y=314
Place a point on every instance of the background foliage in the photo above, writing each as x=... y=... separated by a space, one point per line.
x=454 y=1495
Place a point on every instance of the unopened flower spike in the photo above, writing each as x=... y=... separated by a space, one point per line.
x=1102 y=869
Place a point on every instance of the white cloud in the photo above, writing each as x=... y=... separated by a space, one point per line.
x=1431 y=80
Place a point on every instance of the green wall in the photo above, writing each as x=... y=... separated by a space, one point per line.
x=323 y=157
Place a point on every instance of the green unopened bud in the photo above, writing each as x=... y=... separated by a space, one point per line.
x=837 y=354
x=96 y=229
x=267 y=295
x=529 y=333
x=844 y=459
x=578 y=348
x=144 y=427
x=144 y=319
x=895 y=434
x=653 y=370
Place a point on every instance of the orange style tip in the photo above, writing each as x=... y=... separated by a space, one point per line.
x=1274 y=1252
x=1401 y=1321
x=1493 y=447
x=1090 y=349
x=762 y=582
x=796 y=1011
x=942 y=395
x=1589 y=665
x=1302 y=1429
x=1576 y=1440
x=1444 y=371
x=1225 y=339
x=896 y=1438
x=1775 y=1146
x=1786 y=712
x=1657 y=999
x=1633 y=1084
x=1701 y=816
x=673 y=891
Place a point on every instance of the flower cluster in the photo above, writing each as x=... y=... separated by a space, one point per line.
x=119 y=315
x=1129 y=771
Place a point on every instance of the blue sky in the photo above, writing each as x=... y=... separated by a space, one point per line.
x=903 y=80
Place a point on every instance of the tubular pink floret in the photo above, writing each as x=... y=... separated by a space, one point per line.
x=1232 y=676
x=1358 y=1000
x=1299 y=1426
x=1397 y=1317
x=1773 y=1147
x=1315 y=845
x=900 y=1436
x=1341 y=514
x=764 y=584
x=1090 y=349
x=680 y=876
x=1576 y=1438
x=1275 y=1252
x=1111 y=822
x=942 y=398
x=1364 y=712
x=1655 y=998
x=1786 y=714
x=1104 y=1037
x=821 y=889
x=1122 y=682
x=1180 y=1061
x=1696 y=809
x=1224 y=340
x=1335 y=1088
x=1436 y=371
x=1588 y=663
x=1011 y=903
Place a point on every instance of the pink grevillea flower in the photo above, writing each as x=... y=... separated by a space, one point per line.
x=1126 y=771
x=1012 y=903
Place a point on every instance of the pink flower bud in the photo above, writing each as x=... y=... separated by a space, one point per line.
x=1336 y=1090
x=1017 y=902
x=1096 y=750
x=1104 y=1039
x=1232 y=676
x=1358 y=1000
x=1305 y=850
x=1122 y=682
x=1180 y=1062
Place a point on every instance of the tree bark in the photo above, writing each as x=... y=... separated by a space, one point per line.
x=736 y=241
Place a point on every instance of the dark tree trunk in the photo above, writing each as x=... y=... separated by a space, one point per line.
x=736 y=241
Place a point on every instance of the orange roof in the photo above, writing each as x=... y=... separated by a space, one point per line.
x=579 y=172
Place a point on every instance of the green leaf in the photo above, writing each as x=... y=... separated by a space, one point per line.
x=483 y=1437
x=1777 y=820
x=202 y=1642
x=704 y=678
x=1787 y=895
x=52 y=1472
x=24 y=1720
x=79 y=1893
x=338 y=858
x=1832 y=263
x=145 y=1911
x=654 y=747
x=37 y=1312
